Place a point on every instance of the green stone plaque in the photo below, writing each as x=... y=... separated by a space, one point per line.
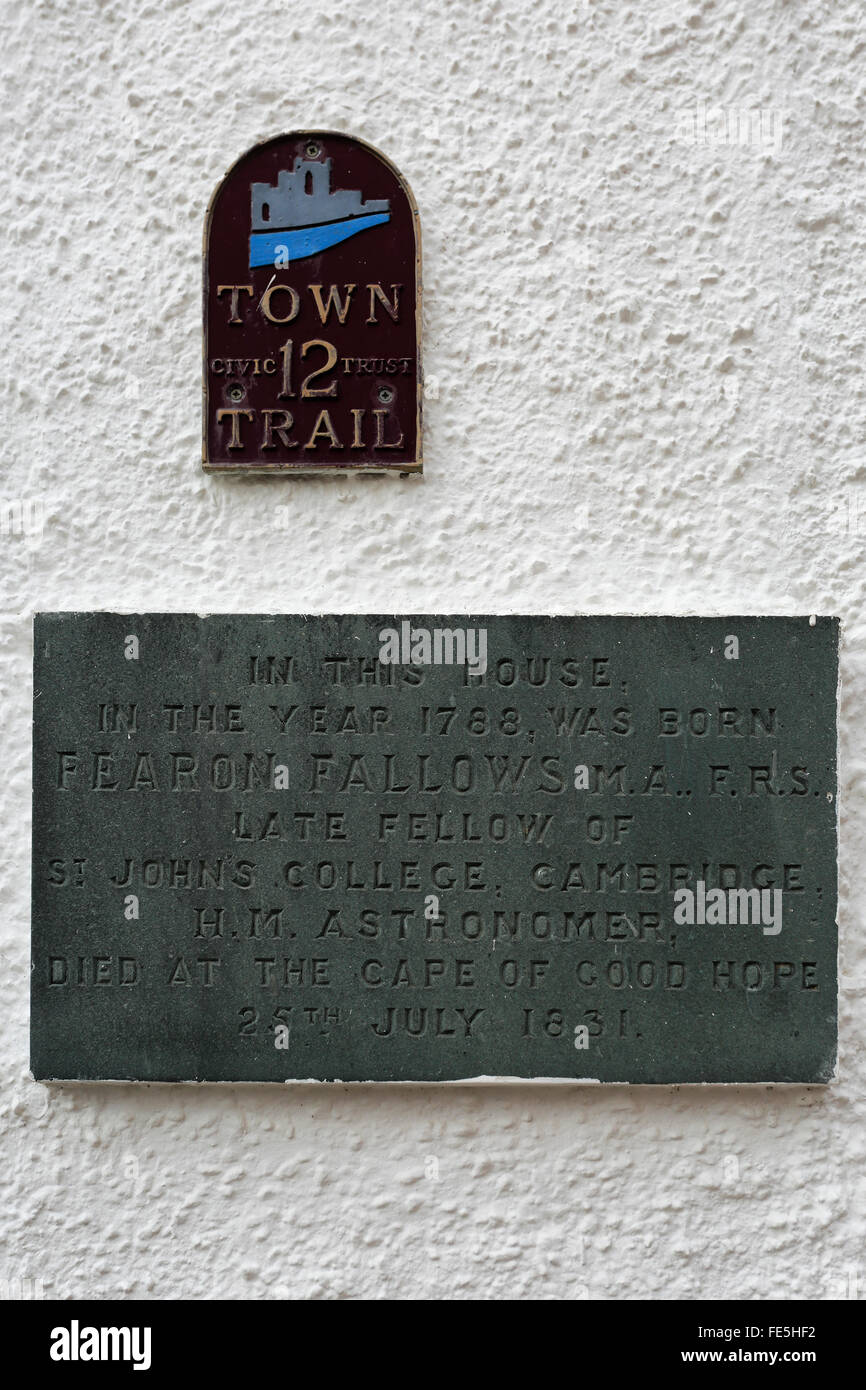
x=433 y=848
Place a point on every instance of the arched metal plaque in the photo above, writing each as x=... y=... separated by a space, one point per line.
x=312 y=302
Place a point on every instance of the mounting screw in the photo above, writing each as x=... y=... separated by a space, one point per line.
x=236 y=393
x=386 y=394
x=312 y=150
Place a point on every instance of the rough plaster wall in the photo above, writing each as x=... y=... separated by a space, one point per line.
x=645 y=359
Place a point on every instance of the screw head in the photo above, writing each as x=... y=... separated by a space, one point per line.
x=236 y=393
x=312 y=150
x=386 y=394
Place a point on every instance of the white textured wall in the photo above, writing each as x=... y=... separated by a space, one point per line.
x=649 y=357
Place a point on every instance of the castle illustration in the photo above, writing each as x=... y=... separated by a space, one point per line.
x=301 y=215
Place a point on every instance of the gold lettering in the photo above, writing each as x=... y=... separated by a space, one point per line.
x=330 y=361
x=376 y=292
x=236 y=291
x=266 y=303
x=333 y=299
x=286 y=354
x=326 y=429
x=236 y=424
x=380 y=432
x=281 y=430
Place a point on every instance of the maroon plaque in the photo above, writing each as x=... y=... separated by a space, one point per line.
x=312 y=289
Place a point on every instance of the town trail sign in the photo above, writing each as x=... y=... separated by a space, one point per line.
x=312 y=289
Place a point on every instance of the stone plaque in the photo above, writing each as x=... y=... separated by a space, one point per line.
x=312 y=286
x=430 y=848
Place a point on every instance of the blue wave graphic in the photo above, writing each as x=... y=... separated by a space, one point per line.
x=301 y=242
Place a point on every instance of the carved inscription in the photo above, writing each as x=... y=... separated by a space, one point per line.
x=385 y=848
